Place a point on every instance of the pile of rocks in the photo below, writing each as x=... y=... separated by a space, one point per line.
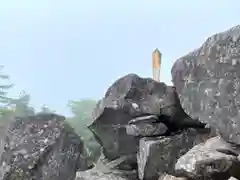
x=147 y=129
x=191 y=130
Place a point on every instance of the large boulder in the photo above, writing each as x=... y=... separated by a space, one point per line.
x=207 y=81
x=130 y=97
x=158 y=155
x=41 y=147
x=214 y=159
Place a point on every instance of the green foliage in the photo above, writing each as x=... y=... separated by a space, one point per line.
x=82 y=112
x=4 y=87
x=21 y=104
x=10 y=106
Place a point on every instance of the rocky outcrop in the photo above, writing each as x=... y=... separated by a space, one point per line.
x=142 y=121
x=41 y=147
x=209 y=78
x=189 y=131
x=130 y=97
x=147 y=130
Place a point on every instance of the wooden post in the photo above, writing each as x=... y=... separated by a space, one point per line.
x=156 y=64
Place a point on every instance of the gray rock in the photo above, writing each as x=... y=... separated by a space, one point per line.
x=170 y=177
x=207 y=82
x=143 y=119
x=41 y=147
x=232 y=178
x=159 y=154
x=5 y=123
x=98 y=175
x=205 y=161
x=146 y=129
x=107 y=170
x=130 y=97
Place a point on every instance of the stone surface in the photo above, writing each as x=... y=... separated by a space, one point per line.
x=107 y=170
x=207 y=82
x=232 y=178
x=41 y=147
x=214 y=159
x=98 y=175
x=158 y=155
x=146 y=129
x=130 y=97
x=170 y=177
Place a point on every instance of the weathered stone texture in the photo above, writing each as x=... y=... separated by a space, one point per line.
x=207 y=82
x=158 y=155
x=214 y=159
x=129 y=97
x=41 y=147
x=107 y=170
x=147 y=130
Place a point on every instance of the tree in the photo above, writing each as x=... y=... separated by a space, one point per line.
x=5 y=101
x=82 y=112
x=83 y=108
x=21 y=105
x=12 y=106
x=4 y=87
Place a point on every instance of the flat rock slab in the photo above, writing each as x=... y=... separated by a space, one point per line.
x=207 y=81
x=146 y=129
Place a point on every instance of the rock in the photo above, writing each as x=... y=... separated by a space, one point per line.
x=232 y=178
x=98 y=175
x=143 y=119
x=148 y=128
x=130 y=97
x=5 y=123
x=205 y=161
x=158 y=155
x=170 y=177
x=107 y=170
x=41 y=147
x=207 y=82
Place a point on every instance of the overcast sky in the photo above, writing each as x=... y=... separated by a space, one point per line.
x=60 y=50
